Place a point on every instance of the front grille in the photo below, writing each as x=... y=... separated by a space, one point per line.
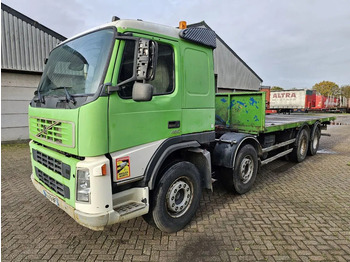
x=49 y=129
x=51 y=163
x=53 y=184
x=54 y=131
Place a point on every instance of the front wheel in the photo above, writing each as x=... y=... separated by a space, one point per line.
x=176 y=198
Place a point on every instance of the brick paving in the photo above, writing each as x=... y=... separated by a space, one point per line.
x=295 y=212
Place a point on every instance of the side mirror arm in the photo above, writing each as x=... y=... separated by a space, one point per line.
x=109 y=88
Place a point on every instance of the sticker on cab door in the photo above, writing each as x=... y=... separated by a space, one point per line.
x=123 y=167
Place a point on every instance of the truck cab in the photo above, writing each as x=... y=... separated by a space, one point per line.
x=115 y=108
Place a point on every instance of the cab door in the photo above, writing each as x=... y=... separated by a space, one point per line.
x=134 y=123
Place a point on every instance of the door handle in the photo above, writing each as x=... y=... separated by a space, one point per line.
x=173 y=124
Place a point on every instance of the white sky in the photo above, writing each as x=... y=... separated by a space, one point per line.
x=287 y=43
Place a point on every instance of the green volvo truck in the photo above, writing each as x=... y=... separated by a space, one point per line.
x=125 y=123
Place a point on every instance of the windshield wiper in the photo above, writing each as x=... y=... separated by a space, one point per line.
x=69 y=97
x=40 y=97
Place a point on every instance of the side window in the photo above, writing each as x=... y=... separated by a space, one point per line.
x=163 y=83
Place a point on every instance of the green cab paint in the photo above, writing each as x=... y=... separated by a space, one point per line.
x=93 y=128
x=134 y=123
x=198 y=77
x=198 y=120
x=81 y=131
x=198 y=87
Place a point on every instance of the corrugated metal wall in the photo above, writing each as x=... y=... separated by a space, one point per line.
x=17 y=90
x=24 y=43
x=232 y=73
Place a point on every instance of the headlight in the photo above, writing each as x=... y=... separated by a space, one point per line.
x=83 y=185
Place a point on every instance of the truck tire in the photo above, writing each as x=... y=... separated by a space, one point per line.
x=245 y=170
x=176 y=197
x=300 y=149
x=314 y=141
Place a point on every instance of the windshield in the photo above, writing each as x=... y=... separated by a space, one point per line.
x=77 y=66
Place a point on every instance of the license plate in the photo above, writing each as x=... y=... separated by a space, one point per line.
x=51 y=197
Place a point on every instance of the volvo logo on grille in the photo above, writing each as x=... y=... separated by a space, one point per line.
x=44 y=131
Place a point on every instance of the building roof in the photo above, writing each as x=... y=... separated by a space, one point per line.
x=25 y=43
x=203 y=23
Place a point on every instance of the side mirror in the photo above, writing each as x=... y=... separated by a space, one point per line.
x=144 y=64
x=142 y=92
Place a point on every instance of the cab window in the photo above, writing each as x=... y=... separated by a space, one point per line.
x=163 y=83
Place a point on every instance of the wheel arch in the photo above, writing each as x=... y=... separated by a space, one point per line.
x=186 y=148
x=170 y=155
x=225 y=152
x=197 y=156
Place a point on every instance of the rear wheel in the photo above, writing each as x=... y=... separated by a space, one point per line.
x=301 y=148
x=242 y=178
x=245 y=169
x=176 y=198
x=314 y=141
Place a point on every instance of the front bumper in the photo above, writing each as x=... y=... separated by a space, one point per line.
x=100 y=220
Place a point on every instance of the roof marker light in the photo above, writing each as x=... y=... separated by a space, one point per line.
x=182 y=25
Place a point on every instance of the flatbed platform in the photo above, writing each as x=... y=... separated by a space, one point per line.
x=245 y=113
x=277 y=122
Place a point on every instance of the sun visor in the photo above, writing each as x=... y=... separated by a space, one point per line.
x=201 y=36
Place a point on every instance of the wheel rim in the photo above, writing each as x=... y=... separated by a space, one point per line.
x=246 y=169
x=303 y=146
x=179 y=197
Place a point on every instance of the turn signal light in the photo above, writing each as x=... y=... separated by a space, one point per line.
x=182 y=25
x=104 y=170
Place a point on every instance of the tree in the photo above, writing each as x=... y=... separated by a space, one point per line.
x=327 y=88
x=345 y=91
x=276 y=88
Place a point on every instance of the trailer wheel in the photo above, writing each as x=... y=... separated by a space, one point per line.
x=245 y=170
x=300 y=150
x=176 y=198
x=314 y=141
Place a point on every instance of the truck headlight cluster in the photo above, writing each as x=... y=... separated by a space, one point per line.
x=83 y=185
